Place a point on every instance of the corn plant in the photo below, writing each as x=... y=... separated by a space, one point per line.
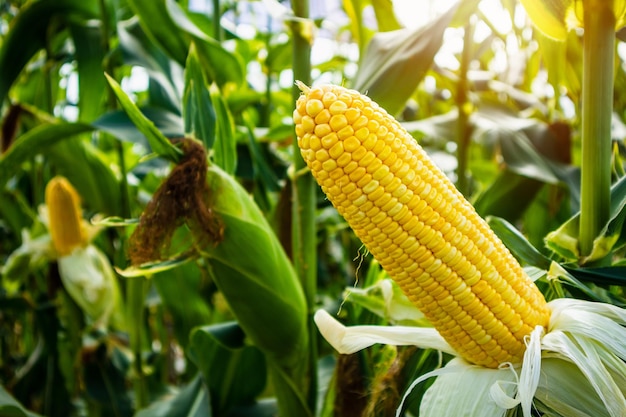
x=204 y=213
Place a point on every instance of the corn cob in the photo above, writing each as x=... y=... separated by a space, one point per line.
x=64 y=216
x=421 y=229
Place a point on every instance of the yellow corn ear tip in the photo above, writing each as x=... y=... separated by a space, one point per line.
x=65 y=218
x=420 y=228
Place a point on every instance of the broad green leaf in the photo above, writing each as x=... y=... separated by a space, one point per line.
x=279 y=57
x=234 y=372
x=395 y=62
x=10 y=407
x=118 y=124
x=193 y=400
x=385 y=15
x=555 y=17
x=549 y=16
x=158 y=142
x=225 y=145
x=360 y=33
x=517 y=243
x=198 y=111
x=508 y=196
x=29 y=32
x=289 y=394
x=138 y=49
x=261 y=288
x=87 y=37
x=220 y=64
x=611 y=275
x=160 y=27
x=36 y=140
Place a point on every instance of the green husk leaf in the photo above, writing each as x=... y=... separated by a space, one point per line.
x=265 y=277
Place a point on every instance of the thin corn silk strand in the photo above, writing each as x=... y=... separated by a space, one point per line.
x=347 y=340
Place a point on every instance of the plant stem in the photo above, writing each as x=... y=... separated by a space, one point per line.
x=304 y=248
x=462 y=104
x=134 y=305
x=217 y=17
x=597 y=108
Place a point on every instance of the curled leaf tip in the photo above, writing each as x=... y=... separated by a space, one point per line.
x=303 y=87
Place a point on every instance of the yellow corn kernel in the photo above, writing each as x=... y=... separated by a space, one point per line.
x=64 y=216
x=420 y=228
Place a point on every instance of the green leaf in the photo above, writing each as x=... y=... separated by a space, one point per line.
x=395 y=62
x=290 y=400
x=612 y=275
x=549 y=16
x=191 y=401
x=221 y=65
x=10 y=407
x=517 y=243
x=37 y=139
x=225 y=146
x=198 y=111
x=261 y=287
x=138 y=49
x=118 y=124
x=508 y=196
x=29 y=33
x=88 y=42
x=385 y=15
x=234 y=372
x=158 y=142
x=160 y=27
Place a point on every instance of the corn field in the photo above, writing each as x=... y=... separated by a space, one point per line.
x=313 y=208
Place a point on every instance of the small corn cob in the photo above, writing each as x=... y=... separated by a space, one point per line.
x=418 y=225
x=64 y=216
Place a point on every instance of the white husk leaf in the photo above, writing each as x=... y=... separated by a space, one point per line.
x=351 y=339
x=464 y=390
x=589 y=335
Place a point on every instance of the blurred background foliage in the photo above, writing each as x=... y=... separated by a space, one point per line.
x=222 y=326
